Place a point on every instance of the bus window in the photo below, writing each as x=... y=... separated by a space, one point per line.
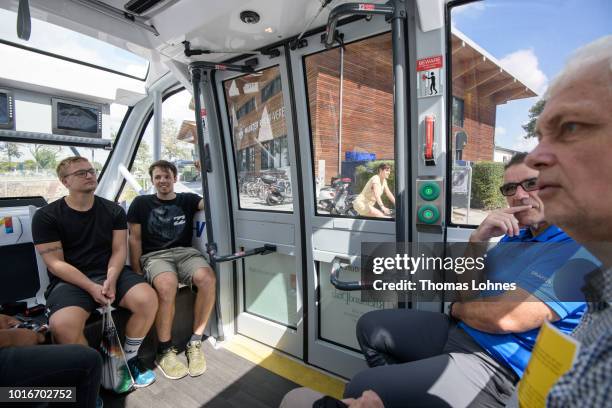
x=27 y=167
x=350 y=101
x=59 y=40
x=256 y=110
x=503 y=59
x=178 y=145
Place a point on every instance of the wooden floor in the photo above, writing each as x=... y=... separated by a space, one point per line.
x=229 y=381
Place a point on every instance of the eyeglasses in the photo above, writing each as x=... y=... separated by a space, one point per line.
x=509 y=189
x=83 y=173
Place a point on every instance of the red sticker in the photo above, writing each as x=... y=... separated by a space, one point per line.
x=428 y=63
x=366 y=7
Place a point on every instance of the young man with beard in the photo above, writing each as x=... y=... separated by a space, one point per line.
x=161 y=230
x=82 y=239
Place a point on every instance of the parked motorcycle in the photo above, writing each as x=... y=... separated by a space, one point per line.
x=325 y=199
x=278 y=190
x=337 y=200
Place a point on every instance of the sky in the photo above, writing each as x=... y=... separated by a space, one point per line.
x=532 y=45
x=531 y=39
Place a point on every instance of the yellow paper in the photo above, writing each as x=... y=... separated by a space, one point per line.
x=553 y=355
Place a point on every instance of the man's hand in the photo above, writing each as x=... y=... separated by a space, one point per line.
x=369 y=399
x=497 y=223
x=21 y=337
x=95 y=290
x=7 y=322
x=109 y=290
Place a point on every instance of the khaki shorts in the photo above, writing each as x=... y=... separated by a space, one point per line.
x=183 y=261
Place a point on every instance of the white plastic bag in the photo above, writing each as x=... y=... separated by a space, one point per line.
x=116 y=375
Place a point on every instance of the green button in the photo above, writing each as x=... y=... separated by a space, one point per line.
x=428 y=214
x=429 y=191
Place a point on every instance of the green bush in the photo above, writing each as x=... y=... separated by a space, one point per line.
x=364 y=172
x=486 y=179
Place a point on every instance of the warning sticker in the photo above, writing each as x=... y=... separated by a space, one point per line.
x=429 y=76
x=425 y=64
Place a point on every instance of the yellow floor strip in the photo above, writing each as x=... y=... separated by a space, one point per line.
x=285 y=366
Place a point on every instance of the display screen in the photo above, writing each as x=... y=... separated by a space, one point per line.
x=4 y=109
x=19 y=272
x=76 y=117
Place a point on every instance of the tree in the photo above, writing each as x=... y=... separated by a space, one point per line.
x=534 y=112
x=143 y=158
x=11 y=150
x=44 y=156
x=29 y=165
x=172 y=148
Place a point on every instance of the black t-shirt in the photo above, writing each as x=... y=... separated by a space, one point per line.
x=164 y=224
x=86 y=236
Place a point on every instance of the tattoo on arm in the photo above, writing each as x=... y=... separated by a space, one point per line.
x=52 y=249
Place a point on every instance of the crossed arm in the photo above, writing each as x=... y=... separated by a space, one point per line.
x=53 y=256
x=512 y=312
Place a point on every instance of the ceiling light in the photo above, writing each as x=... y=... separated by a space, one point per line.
x=269 y=30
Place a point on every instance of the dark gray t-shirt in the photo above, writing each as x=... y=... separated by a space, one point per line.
x=164 y=224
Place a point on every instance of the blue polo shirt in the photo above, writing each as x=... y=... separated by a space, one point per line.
x=531 y=262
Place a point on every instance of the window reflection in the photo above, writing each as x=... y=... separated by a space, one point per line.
x=257 y=118
x=350 y=97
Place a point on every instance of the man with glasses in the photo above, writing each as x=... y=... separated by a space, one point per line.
x=82 y=239
x=475 y=356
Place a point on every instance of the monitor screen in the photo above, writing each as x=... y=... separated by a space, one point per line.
x=4 y=108
x=19 y=272
x=77 y=117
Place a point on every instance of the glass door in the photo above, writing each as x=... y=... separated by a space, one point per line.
x=259 y=141
x=344 y=106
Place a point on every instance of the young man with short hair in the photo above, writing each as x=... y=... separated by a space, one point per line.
x=82 y=239
x=161 y=230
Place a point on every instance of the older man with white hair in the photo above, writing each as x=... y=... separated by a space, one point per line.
x=574 y=158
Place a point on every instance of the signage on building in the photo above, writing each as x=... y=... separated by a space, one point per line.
x=251 y=87
x=430 y=76
x=265 y=120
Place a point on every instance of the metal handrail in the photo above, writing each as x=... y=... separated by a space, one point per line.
x=348 y=9
x=334 y=277
x=266 y=249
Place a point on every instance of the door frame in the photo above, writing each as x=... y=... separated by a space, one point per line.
x=252 y=228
